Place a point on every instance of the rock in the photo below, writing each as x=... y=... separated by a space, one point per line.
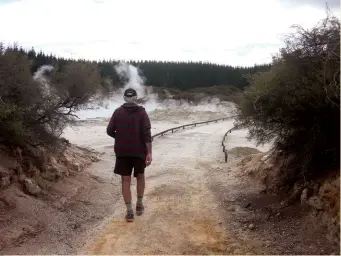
x=59 y=203
x=238 y=251
x=5 y=179
x=94 y=159
x=49 y=176
x=251 y=226
x=315 y=202
x=304 y=196
x=52 y=173
x=21 y=177
x=5 y=182
x=297 y=190
x=31 y=187
x=75 y=166
x=231 y=208
x=264 y=157
x=248 y=205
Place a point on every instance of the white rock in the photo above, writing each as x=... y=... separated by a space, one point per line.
x=31 y=187
x=251 y=226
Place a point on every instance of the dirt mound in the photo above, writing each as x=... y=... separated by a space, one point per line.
x=321 y=197
x=33 y=197
x=243 y=151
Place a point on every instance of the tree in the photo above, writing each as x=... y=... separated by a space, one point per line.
x=34 y=110
x=297 y=103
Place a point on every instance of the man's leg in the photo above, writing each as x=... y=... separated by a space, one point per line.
x=124 y=167
x=140 y=192
x=139 y=168
x=126 y=183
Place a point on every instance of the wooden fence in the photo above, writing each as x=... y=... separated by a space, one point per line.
x=189 y=125
x=198 y=123
x=223 y=142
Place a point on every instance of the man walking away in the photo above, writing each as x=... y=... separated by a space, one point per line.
x=130 y=126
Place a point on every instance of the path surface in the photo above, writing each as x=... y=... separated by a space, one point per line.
x=195 y=203
x=198 y=204
x=181 y=215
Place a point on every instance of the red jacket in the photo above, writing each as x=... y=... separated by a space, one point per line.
x=130 y=126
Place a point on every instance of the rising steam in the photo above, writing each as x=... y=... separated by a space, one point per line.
x=41 y=76
x=131 y=74
x=132 y=79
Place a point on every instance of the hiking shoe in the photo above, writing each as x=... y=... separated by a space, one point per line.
x=130 y=216
x=139 y=209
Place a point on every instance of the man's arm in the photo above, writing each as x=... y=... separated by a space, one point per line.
x=111 y=129
x=147 y=132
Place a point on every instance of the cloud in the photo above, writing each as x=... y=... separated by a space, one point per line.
x=226 y=32
x=7 y=1
x=321 y=4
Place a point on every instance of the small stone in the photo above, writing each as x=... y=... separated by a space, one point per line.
x=304 y=196
x=31 y=187
x=267 y=243
x=231 y=208
x=251 y=226
x=248 y=205
x=238 y=251
x=315 y=202
x=5 y=181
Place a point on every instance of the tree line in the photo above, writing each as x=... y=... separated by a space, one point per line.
x=180 y=75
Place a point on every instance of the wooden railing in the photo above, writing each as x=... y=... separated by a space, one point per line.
x=189 y=125
x=223 y=142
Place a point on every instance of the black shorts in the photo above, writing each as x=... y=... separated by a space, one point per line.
x=124 y=166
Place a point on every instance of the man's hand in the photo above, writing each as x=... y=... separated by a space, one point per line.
x=149 y=159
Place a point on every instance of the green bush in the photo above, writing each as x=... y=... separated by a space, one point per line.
x=35 y=110
x=297 y=103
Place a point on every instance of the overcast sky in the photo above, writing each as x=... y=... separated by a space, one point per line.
x=234 y=32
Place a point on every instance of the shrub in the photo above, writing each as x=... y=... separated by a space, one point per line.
x=297 y=103
x=34 y=110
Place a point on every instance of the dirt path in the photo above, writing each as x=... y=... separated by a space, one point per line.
x=181 y=211
x=197 y=204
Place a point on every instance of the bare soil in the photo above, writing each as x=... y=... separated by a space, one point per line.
x=195 y=204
